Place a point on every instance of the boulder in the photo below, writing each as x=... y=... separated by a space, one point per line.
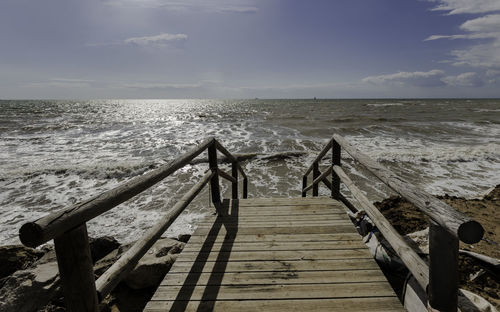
x=30 y=289
x=103 y=264
x=101 y=246
x=17 y=257
x=154 y=264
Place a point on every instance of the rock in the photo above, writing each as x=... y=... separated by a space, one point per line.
x=101 y=246
x=30 y=289
x=493 y=194
x=419 y=240
x=154 y=264
x=17 y=257
x=102 y=265
x=183 y=238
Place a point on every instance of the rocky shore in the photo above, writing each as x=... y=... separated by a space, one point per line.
x=29 y=277
x=406 y=219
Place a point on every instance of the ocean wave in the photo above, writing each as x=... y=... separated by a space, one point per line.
x=385 y=104
x=44 y=167
x=103 y=171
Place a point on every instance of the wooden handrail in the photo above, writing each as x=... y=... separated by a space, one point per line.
x=446 y=225
x=458 y=224
x=129 y=259
x=68 y=227
x=33 y=234
x=410 y=258
x=227 y=176
x=320 y=156
x=318 y=179
x=229 y=156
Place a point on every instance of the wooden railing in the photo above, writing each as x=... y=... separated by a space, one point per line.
x=68 y=227
x=447 y=226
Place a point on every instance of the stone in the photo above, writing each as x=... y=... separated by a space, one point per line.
x=101 y=246
x=17 y=257
x=103 y=264
x=154 y=264
x=30 y=289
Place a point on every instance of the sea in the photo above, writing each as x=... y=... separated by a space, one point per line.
x=54 y=154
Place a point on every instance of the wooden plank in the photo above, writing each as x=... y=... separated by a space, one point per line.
x=311 y=201
x=264 y=246
x=318 y=212
x=291 y=255
x=275 y=224
x=276 y=237
x=263 y=292
x=259 y=218
x=291 y=207
x=275 y=266
x=273 y=278
x=349 y=228
x=375 y=304
x=224 y=256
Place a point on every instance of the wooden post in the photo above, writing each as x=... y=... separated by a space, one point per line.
x=316 y=174
x=234 y=171
x=76 y=270
x=335 y=162
x=304 y=185
x=245 y=187
x=214 y=181
x=443 y=268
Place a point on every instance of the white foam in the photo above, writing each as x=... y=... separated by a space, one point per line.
x=56 y=162
x=384 y=104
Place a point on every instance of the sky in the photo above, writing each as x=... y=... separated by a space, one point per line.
x=93 y=49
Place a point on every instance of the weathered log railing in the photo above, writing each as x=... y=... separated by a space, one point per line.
x=69 y=230
x=446 y=225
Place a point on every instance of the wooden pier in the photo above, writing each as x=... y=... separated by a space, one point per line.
x=276 y=254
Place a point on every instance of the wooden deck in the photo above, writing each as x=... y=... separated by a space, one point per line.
x=280 y=254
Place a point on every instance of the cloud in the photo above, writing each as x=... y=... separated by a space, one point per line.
x=430 y=78
x=486 y=24
x=470 y=79
x=241 y=9
x=481 y=55
x=467 y=36
x=62 y=83
x=161 y=39
x=216 y=6
x=485 y=28
x=492 y=73
x=162 y=86
x=467 y=6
